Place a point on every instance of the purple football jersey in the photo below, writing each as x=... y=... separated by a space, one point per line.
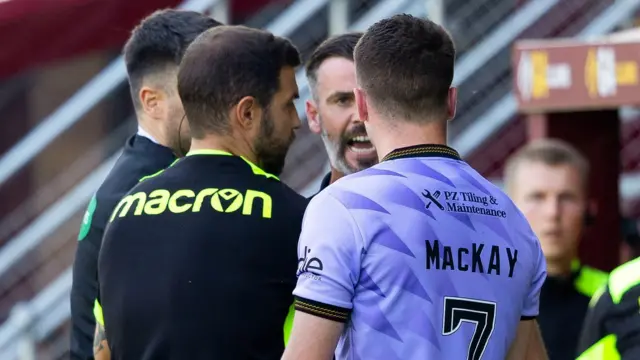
x=422 y=258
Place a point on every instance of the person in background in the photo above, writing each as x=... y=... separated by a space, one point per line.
x=630 y=248
x=419 y=256
x=152 y=55
x=199 y=261
x=332 y=112
x=611 y=330
x=548 y=181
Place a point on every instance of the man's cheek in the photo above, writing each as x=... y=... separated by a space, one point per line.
x=534 y=222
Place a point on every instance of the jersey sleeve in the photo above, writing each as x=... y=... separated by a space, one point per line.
x=329 y=255
x=84 y=287
x=612 y=327
x=624 y=323
x=531 y=306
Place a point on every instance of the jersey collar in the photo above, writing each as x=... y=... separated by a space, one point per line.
x=255 y=168
x=142 y=132
x=326 y=181
x=423 y=150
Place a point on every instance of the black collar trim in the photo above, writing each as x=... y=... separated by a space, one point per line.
x=424 y=150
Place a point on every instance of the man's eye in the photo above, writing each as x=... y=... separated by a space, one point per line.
x=343 y=101
x=536 y=197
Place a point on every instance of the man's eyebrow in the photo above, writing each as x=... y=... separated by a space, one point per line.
x=340 y=94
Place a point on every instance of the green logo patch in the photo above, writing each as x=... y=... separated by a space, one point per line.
x=86 y=220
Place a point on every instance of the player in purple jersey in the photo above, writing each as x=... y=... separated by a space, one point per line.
x=418 y=257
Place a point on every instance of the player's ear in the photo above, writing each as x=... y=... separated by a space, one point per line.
x=151 y=101
x=452 y=101
x=312 y=116
x=361 y=104
x=247 y=113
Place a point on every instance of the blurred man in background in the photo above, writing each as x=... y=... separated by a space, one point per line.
x=152 y=55
x=332 y=112
x=199 y=261
x=630 y=248
x=398 y=256
x=548 y=181
x=611 y=329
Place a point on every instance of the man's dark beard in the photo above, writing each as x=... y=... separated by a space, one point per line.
x=270 y=152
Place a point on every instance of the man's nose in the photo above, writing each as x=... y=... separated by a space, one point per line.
x=551 y=208
x=353 y=116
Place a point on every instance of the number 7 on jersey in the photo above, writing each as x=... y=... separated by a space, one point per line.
x=480 y=313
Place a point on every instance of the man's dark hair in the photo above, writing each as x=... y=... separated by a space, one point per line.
x=405 y=65
x=225 y=64
x=336 y=46
x=160 y=40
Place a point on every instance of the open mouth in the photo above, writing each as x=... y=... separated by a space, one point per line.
x=360 y=144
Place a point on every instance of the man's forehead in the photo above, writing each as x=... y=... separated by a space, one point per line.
x=536 y=175
x=336 y=71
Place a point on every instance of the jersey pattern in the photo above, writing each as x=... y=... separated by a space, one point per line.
x=422 y=258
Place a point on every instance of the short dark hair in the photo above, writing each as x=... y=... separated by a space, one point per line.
x=225 y=64
x=336 y=46
x=160 y=40
x=405 y=65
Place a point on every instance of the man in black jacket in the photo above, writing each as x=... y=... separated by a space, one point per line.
x=152 y=55
x=548 y=181
x=611 y=329
x=199 y=261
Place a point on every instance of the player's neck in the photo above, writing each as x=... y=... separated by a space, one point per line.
x=224 y=143
x=335 y=175
x=559 y=268
x=157 y=133
x=410 y=134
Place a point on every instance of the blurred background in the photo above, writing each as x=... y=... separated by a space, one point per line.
x=66 y=111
